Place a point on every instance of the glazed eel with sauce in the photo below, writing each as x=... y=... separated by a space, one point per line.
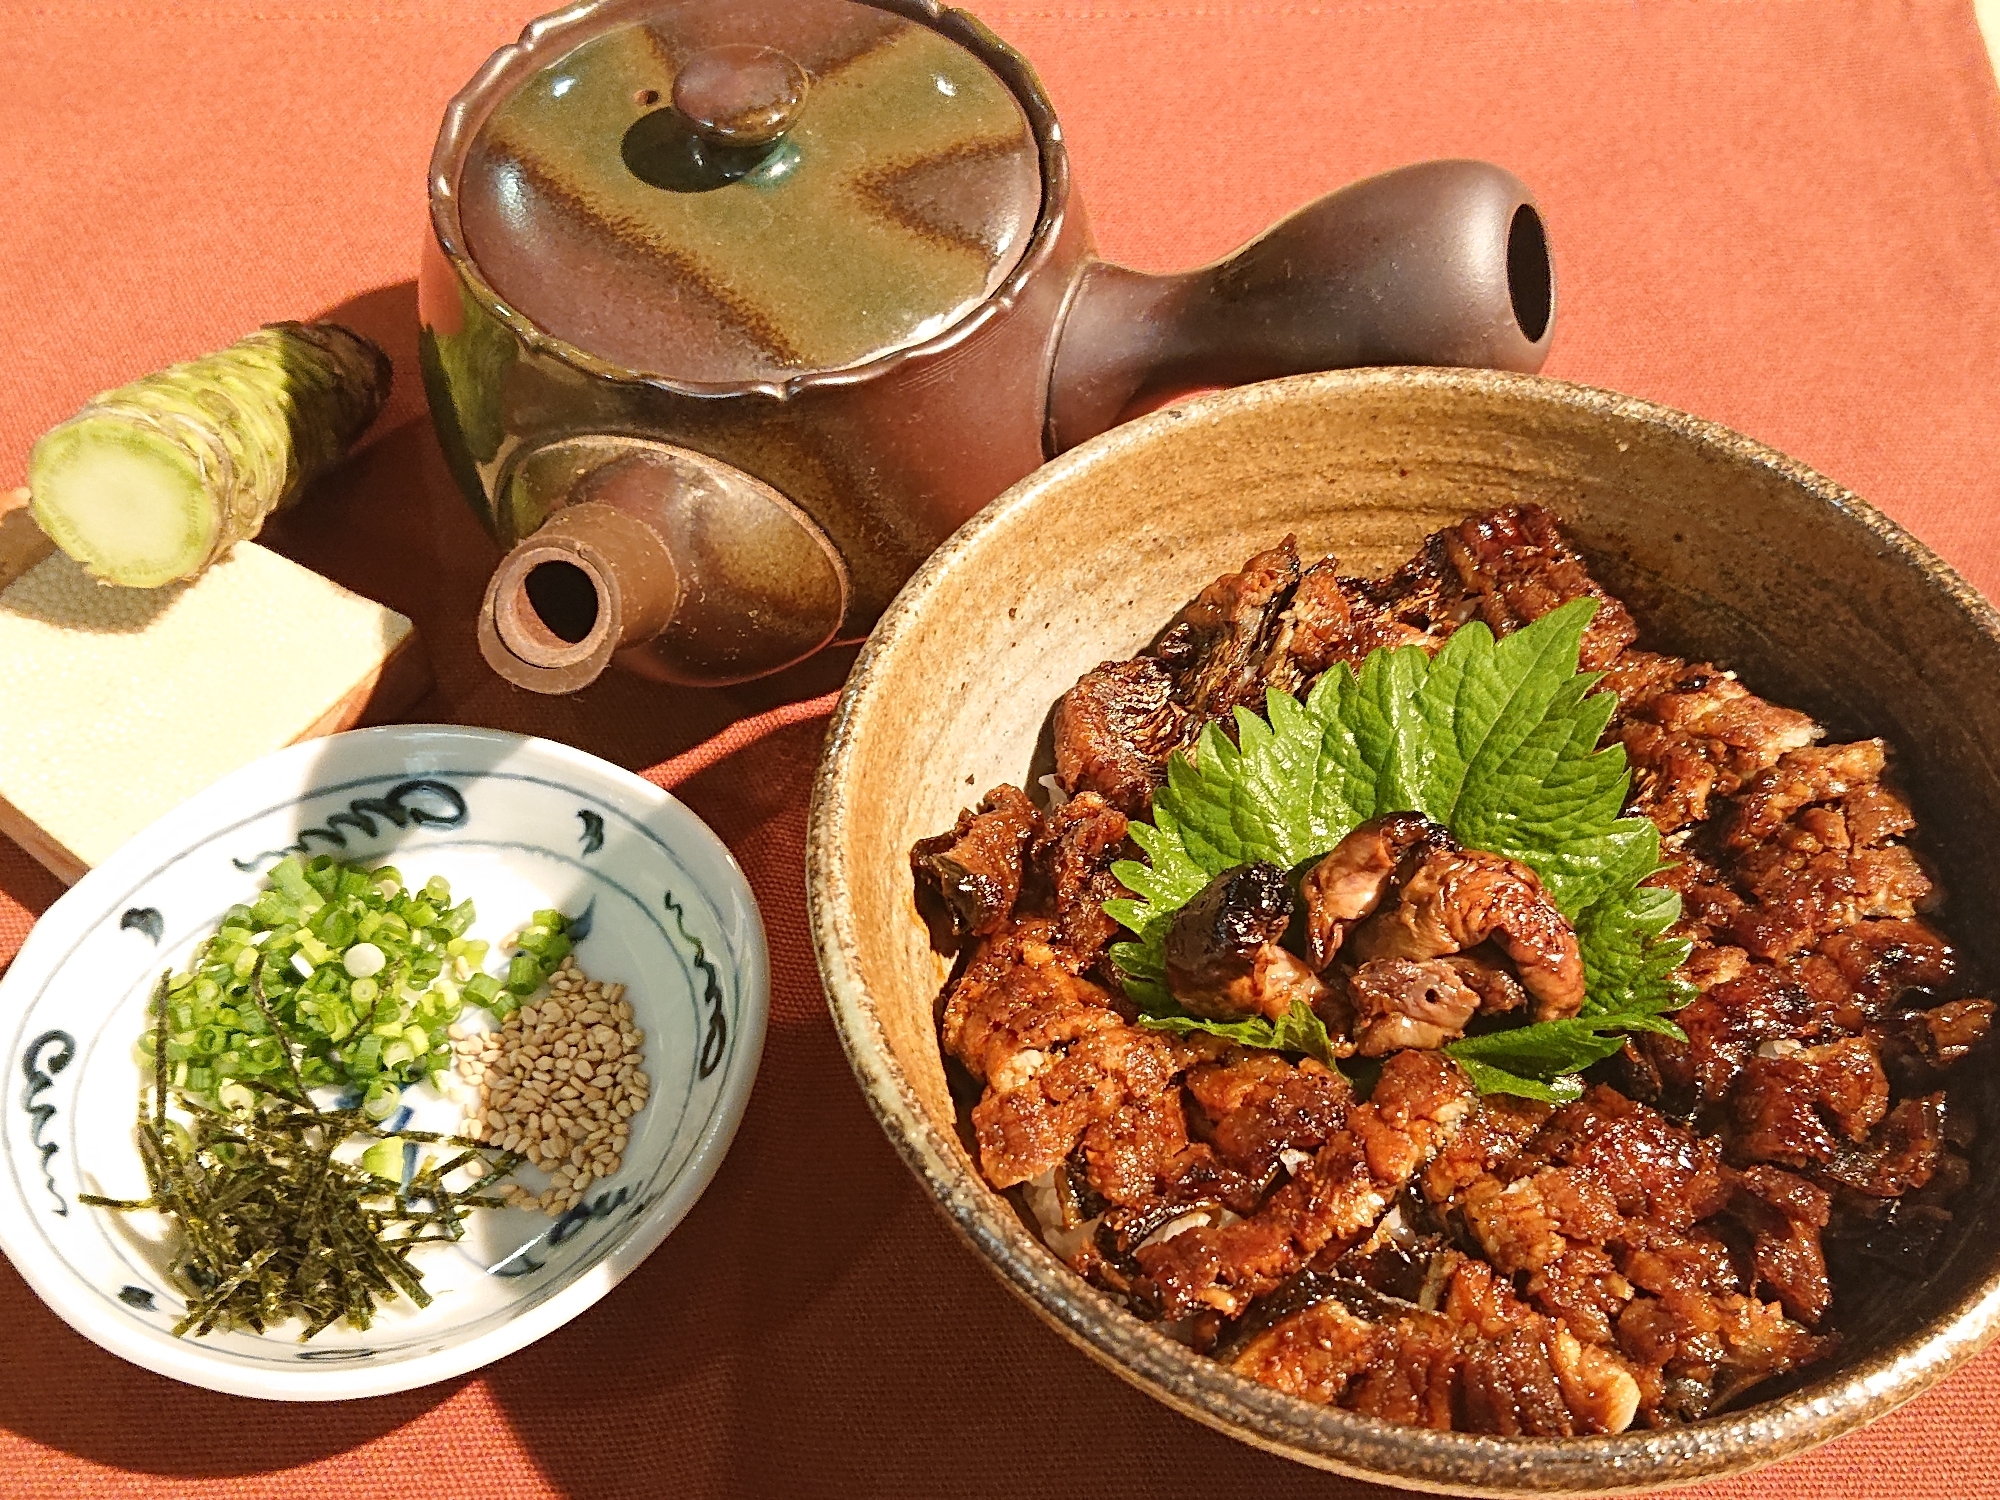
x=1416 y=1251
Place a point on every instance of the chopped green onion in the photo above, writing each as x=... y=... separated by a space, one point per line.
x=288 y=877
x=385 y=1158
x=482 y=989
x=363 y=961
x=363 y=976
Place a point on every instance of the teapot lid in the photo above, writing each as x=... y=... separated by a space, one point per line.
x=720 y=192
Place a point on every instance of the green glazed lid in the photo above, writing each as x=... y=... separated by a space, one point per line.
x=716 y=192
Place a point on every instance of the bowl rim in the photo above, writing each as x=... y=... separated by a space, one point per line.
x=1327 y=1437
x=190 y=1361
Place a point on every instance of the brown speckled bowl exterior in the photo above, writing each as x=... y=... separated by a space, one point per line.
x=1724 y=548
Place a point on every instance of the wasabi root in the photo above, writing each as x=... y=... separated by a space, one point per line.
x=153 y=482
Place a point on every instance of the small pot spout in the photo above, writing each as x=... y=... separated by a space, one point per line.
x=591 y=582
x=676 y=565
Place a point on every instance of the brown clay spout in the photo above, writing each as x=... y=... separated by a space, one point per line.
x=1442 y=263
x=682 y=568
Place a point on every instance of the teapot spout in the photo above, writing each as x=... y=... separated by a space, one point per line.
x=592 y=582
x=675 y=565
x=1441 y=263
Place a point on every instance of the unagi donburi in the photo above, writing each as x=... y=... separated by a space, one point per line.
x=1427 y=1001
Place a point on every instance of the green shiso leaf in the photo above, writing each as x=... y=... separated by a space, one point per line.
x=1546 y=1049
x=1491 y=1080
x=1495 y=739
x=1299 y=1031
x=1630 y=966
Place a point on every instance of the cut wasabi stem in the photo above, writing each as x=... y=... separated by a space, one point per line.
x=153 y=482
x=132 y=503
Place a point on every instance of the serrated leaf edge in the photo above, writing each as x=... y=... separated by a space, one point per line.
x=1622 y=853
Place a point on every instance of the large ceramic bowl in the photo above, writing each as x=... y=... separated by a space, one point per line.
x=1723 y=548
x=516 y=824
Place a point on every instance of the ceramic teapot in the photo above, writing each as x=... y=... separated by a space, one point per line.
x=735 y=309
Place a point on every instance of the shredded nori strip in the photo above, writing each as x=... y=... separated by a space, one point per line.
x=273 y=1226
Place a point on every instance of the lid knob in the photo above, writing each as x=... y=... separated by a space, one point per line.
x=740 y=95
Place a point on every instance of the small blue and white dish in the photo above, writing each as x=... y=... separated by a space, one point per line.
x=516 y=824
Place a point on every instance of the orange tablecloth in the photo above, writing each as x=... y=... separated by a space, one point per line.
x=1784 y=214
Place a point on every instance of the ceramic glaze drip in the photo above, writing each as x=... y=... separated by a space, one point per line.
x=899 y=199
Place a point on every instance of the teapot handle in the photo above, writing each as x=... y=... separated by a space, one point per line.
x=1441 y=263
